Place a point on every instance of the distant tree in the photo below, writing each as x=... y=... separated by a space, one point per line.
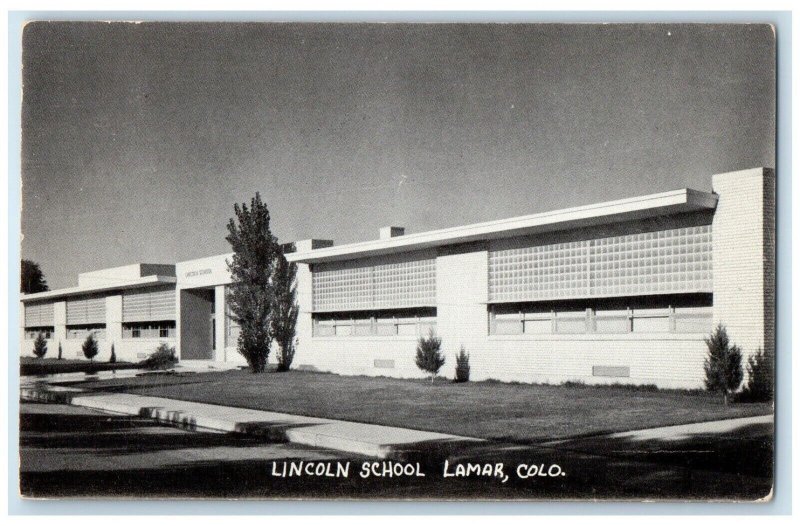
x=89 y=347
x=59 y=350
x=429 y=354
x=760 y=378
x=113 y=358
x=40 y=345
x=251 y=294
x=285 y=310
x=723 y=364
x=32 y=279
x=462 y=366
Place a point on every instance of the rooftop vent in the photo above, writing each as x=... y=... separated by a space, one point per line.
x=389 y=232
x=305 y=245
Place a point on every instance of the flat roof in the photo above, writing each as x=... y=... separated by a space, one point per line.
x=654 y=205
x=146 y=281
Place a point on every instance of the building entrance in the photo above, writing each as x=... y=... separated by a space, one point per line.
x=197 y=332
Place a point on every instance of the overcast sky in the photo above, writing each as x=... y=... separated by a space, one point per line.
x=139 y=138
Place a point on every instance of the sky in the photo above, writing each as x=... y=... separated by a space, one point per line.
x=138 y=139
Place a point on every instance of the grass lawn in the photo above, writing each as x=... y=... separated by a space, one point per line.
x=36 y=366
x=516 y=412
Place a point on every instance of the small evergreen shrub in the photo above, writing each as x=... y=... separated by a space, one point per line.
x=40 y=346
x=162 y=358
x=89 y=347
x=113 y=358
x=429 y=354
x=462 y=366
x=59 y=350
x=760 y=379
x=723 y=364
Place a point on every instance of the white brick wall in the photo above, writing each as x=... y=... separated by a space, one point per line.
x=744 y=258
x=669 y=361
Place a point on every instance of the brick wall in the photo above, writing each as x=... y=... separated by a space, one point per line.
x=744 y=258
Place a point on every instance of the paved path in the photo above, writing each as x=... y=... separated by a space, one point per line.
x=682 y=432
x=679 y=432
x=351 y=437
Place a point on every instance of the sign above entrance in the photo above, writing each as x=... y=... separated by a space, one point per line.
x=205 y=272
x=200 y=272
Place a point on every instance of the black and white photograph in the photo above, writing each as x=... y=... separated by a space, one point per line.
x=397 y=261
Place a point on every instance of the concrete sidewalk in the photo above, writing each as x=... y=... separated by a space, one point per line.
x=351 y=437
x=675 y=433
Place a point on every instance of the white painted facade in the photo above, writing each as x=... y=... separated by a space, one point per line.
x=589 y=296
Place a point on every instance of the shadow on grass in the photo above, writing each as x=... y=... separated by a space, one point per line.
x=608 y=475
x=117 y=435
x=744 y=451
x=47 y=367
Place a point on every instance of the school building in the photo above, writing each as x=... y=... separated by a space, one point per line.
x=622 y=291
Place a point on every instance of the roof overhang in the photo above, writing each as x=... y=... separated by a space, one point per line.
x=147 y=281
x=655 y=205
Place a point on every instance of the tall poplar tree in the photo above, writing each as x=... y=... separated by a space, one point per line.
x=285 y=311
x=251 y=294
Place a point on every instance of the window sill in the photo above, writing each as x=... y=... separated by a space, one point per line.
x=148 y=339
x=364 y=338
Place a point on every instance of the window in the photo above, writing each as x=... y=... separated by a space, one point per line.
x=651 y=314
x=406 y=322
x=80 y=332
x=149 y=330
x=572 y=322
x=382 y=283
x=651 y=320
x=31 y=333
x=612 y=321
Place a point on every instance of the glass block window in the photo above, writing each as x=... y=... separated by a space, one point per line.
x=405 y=284
x=38 y=314
x=539 y=272
x=86 y=311
x=668 y=261
x=363 y=286
x=148 y=305
x=663 y=262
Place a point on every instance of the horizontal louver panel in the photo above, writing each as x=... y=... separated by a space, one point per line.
x=86 y=310
x=38 y=314
x=148 y=305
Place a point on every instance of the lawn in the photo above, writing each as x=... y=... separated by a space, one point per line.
x=36 y=366
x=492 y=410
